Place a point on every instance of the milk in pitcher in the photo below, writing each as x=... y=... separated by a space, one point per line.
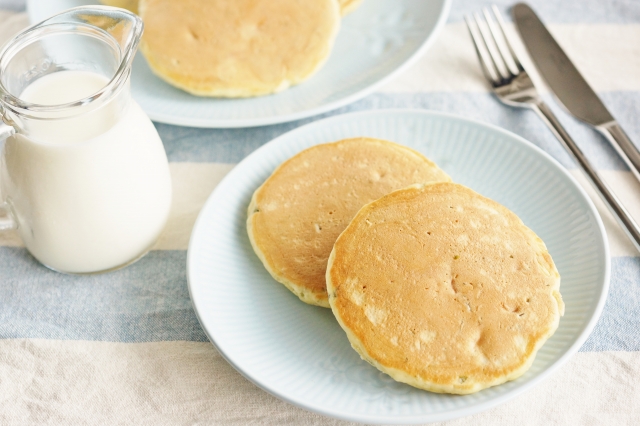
x=90 y=193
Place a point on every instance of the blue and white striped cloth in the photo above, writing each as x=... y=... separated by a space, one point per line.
x=126 y=347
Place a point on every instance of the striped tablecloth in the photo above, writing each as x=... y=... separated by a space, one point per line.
x=126 y=347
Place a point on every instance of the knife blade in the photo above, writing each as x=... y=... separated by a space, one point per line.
x=568 y=85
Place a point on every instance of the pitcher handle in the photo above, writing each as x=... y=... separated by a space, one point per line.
x=7 y=218
x=5 y=129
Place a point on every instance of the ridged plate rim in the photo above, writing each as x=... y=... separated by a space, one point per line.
x=185 y=120
x=200 y=307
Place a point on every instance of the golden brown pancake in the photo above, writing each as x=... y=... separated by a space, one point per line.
x=237 y=48
x=131 y=5
x=348 y=6
x=444 y=289
x=299 y=211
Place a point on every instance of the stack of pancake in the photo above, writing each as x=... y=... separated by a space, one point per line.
x=237 y=48
x=434 y=284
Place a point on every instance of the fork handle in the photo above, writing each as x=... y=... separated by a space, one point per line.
x=611 y=200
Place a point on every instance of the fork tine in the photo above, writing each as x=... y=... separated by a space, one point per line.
x=487 y=40
x=500 y=42
x=501 y=24
x=488 y=67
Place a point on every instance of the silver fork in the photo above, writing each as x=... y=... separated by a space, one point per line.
x=513 y=86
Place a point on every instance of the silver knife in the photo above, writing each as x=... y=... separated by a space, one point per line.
x=571 y=89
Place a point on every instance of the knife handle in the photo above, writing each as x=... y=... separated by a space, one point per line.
x=611 y=200
x=621 y=142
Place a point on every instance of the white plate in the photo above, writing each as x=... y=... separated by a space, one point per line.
x=299 y=352
x=376 y=42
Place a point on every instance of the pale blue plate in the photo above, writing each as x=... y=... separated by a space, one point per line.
x=299 y=352
x=376 y=42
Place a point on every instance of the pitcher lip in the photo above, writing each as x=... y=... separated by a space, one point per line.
x=11 y=102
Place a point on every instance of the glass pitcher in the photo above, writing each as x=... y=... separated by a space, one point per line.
x=84 y=177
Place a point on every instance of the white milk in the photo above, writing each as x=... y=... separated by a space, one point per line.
x=92 y=192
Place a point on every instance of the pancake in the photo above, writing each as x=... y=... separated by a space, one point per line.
x=444 y=289
x=130 y=5
x=296 y=215
x=237 y=48
x=348 y=6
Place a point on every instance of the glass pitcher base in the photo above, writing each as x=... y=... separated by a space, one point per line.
x=102 y=271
